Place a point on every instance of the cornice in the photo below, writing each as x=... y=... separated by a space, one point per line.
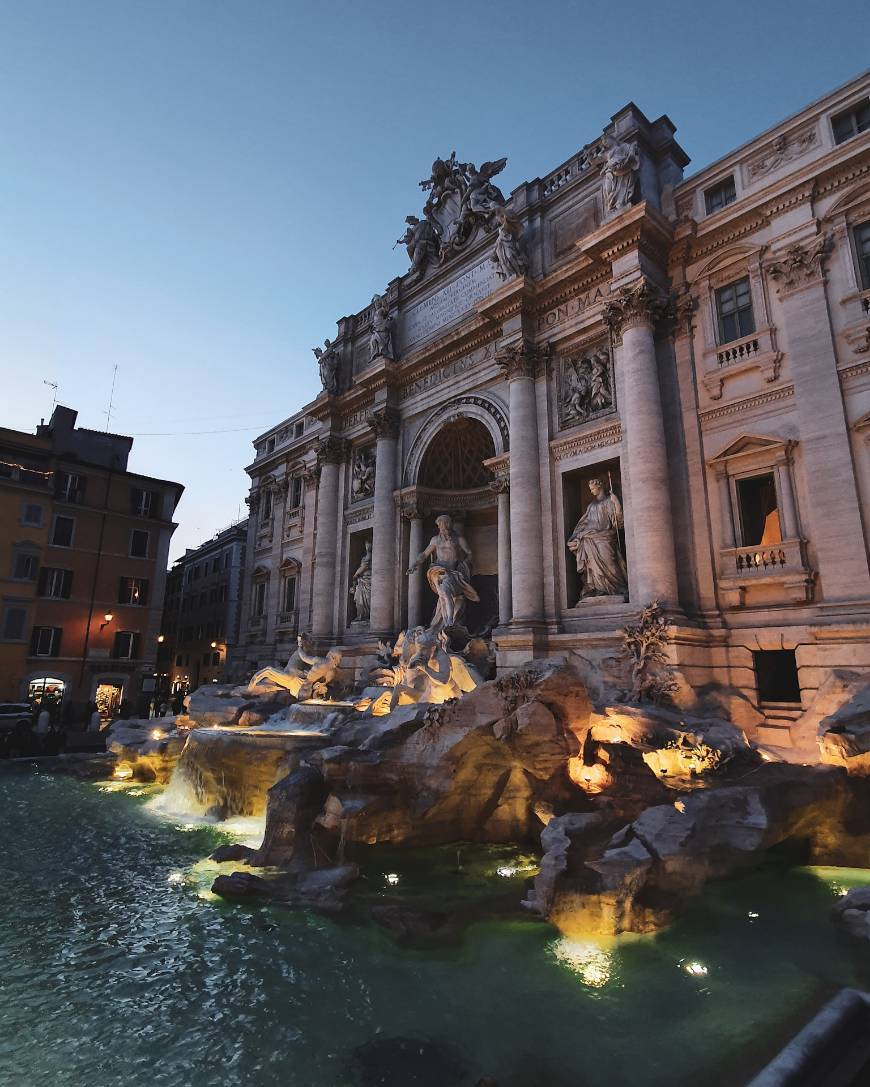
x=733 y=407
x=563 y=448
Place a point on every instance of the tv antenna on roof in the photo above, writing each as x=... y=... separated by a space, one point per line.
x=111 y=396
x=52 y=385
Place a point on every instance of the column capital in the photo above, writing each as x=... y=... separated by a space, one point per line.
x=311 y=475
x=522 y=359
x=501 y=484
x=331 y=450
x=252 y=501
x=384 y=422
x=639 y=304
x=801 y=265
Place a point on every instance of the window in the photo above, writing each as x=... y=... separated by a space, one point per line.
x=777 y=676
x=734 y=310
x=142 y=502
x=296 y=492
x=298 y=428
x=215 y=565
x=31 y=514
x=56 y=584
x=179 y=660
x=14 y=620
x=69 y=487
x=133 y=590
x=126 y=645
x=206 y=658
x=45 y=642
x=63 y=531
x=196 y=572
x=139 y=543
x=270 y=445
x=759 y=512
x=222 y=594
x=862 y=248
x=288 y=594
x=228 y=558
x=266 y=506
x=720 y=195
x=216 y=658
x=851 y=121
x=25 y=565
x=259 y=607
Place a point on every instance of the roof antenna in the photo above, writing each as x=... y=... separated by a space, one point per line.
x=111 y=396
x=52 y=385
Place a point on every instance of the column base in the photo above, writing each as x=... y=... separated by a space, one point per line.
x=519 y=642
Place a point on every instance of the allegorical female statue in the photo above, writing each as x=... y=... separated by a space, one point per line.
x=508 y=258
x=449 y=574
x=361 y=584
x=595 y=544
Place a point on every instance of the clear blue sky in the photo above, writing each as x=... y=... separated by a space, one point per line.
x=196 y=190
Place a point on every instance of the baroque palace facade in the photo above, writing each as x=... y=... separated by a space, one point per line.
x=671 y=376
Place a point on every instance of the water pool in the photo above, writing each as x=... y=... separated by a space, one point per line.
x=116 y=967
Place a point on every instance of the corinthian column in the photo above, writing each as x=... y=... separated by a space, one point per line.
x=385 y=424
x=652 y=568
x=415 y=579
x=501 y=485
x=329 y=458
x=520 y=363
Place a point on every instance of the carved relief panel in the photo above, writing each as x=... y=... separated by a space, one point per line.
x=585 y=386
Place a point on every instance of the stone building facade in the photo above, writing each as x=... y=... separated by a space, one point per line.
x=700 y=346
x=201 y=612
x=86 y=543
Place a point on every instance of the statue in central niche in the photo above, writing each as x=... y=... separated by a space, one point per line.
x=595 y=545
x=449 y=574
x=361 y=585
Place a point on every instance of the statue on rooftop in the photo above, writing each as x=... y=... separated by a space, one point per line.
x=449 y=574
x=508 y=258
x=595 y=545
x=620 y=163
x=328 y=361
x=421 y=242
x=381 y=341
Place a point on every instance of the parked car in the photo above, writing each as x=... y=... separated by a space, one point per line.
x=15 y=714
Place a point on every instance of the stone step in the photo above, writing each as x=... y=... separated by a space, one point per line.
x=774 y=735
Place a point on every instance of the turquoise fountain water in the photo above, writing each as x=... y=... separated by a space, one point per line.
x=118 y=967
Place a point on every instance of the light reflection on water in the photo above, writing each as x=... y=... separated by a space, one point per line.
x=113 y=971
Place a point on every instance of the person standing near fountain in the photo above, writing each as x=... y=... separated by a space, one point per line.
x=449 y=574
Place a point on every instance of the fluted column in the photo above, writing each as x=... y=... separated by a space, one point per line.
x=330 y=456
x=502 y=488
x=652 y=569
x=385 y=424
x=520 y=363
x=415 y=579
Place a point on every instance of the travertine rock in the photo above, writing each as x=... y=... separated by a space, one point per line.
x=852 y=912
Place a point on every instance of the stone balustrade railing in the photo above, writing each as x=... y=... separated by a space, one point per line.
x=738 y=351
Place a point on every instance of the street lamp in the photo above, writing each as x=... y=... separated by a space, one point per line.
x=108 y=617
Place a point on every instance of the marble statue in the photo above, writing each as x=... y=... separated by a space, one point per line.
x=362 y=483
x=327 y=360
x=449 y=574
x=508 y=258
x=585 y=389
x=421 y=242
x=361 y=585
x=481 y=196
x=381 y=341
x=595 y=545
x=619 y=165
x=422 y=669
x=305 y=676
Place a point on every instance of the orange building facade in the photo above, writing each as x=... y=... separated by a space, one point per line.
x=84 y=545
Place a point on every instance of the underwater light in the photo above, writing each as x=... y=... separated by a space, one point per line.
x=752 y=915
x=156 y=734
x=122 y=773
x=175 y=877
x=392 y=878
x=696 y=969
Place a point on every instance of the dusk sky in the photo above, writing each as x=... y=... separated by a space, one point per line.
x=196 y=191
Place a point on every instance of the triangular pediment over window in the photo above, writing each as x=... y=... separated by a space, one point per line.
x=750 y=445
x=260 y=572
x=291 y=566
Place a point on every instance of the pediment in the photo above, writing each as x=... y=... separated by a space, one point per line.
x=735 y=254
x=855 y=201
x=260 y=571
x=750 y=444
x=291 y=566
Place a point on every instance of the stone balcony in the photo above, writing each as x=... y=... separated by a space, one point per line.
x=755 y=352
x=767 y=574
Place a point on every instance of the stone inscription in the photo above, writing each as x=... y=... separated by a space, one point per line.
x=571 y=308
x=446 y=372
x=446 y=305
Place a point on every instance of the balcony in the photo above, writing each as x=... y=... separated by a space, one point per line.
x=766 y=575
x=755 y=352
